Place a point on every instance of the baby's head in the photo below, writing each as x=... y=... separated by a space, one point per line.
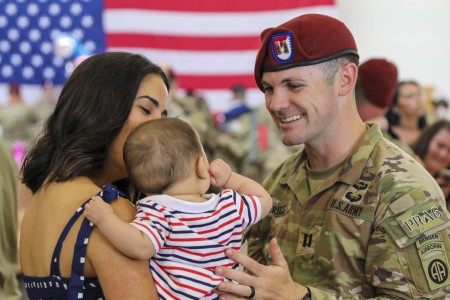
x=161 y=152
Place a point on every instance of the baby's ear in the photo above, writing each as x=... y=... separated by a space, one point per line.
x=201 y=168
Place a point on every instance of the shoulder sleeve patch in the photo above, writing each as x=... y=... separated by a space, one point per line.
x=414 y=218
x=428 y=261
x=432 y=252
x=422 y=218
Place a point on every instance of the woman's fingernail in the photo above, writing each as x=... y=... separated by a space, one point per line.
x=228 y=252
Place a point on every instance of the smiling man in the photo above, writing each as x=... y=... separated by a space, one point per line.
x=355 y=217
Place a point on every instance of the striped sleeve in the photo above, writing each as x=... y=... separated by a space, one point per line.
x=150 y=220
x=248 y=208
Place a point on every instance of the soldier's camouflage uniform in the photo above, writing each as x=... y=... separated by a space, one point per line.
x=377 y=229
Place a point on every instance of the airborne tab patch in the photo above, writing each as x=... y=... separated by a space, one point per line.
x=434 y=260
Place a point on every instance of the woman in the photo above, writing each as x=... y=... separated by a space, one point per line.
x=79 y=152
x=433 y=147
x=406 y=116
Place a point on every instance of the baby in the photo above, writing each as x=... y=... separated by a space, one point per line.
x=182 y=229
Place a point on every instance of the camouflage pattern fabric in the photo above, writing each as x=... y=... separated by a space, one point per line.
x=9 y=258
x=17 y=121
x=233 y=145
x=377 y=229
x=405 y=147
x=194 y=110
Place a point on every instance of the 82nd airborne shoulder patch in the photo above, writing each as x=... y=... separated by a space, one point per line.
x=432 y=253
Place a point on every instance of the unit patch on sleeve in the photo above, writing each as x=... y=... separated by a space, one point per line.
x=432 y=253
x=422 y=218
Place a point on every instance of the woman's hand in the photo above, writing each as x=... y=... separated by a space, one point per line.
x=270 y=282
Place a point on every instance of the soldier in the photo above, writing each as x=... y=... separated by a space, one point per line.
x=45 y=106
x=353 y=215
x=374 y=92
x=192 y=109
x=17 y=121
x=9 y=260
x=236 y=142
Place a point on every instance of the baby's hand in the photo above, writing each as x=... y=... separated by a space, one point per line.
x=96 y=209
x=220 y=172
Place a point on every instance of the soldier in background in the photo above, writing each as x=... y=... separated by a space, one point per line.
x=192 y=109
x=272 y=151
x=374 y=92
x=45 y=104
x=17 y=121
x=238 y=140
x=9 y=260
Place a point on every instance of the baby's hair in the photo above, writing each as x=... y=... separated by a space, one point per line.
x=160 y=152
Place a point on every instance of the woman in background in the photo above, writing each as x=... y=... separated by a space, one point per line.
x=433 y=147
x=406 y=115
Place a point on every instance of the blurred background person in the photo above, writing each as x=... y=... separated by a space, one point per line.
x=192 y=109
x=433 y=147
x=17 y=121
x=374 y=92
x=9 y=261
x=406 y=115
x=375 y=87
x=237 y=107
x=440 y=109
x=238 y=139
x=45 y=104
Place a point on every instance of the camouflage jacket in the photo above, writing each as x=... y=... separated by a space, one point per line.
x=377 y=229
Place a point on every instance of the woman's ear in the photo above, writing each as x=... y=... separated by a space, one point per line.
x=201 y=168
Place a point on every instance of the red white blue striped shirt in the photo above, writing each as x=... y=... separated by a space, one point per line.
x=190 y=239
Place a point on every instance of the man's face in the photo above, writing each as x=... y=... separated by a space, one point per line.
x=302 y=103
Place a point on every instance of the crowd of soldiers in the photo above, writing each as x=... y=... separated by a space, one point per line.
x=245 y=137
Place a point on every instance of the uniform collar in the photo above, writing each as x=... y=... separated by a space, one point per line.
x=351 y=170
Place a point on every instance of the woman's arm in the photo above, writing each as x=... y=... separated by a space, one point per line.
x=121 y=277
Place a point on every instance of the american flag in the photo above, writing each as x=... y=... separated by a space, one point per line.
x=210 y=44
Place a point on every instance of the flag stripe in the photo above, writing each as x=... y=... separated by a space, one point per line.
x=207 y=49
x=215 y=5
x=193 y=82
x=200 y=24
x=183 y=42
x=201 y=62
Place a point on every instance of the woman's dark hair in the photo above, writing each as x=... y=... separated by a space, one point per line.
x=421 y=145
x=91 y=110
x=392 y=116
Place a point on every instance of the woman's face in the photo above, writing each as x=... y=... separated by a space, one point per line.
x=409 y=100
x=438 y=153
x=150 y=103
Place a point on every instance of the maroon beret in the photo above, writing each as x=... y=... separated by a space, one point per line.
x=305 y=40
x=378 y=79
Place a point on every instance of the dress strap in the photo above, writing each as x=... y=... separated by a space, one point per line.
x=108 y=193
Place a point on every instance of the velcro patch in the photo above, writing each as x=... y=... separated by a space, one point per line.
x=280 y=207
x=422 y=218
x=432 y=253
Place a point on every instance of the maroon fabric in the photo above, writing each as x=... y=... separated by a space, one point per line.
x=305 y=40
x=378 y=80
